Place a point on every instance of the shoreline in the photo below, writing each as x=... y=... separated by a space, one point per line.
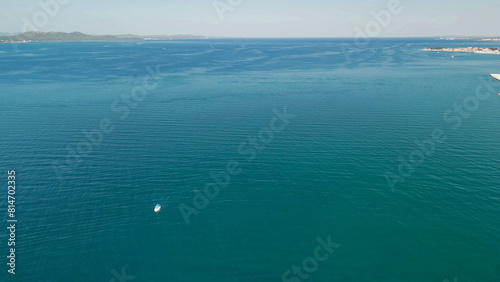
x=475 y=50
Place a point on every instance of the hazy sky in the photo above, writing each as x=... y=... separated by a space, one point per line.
x=254 y=18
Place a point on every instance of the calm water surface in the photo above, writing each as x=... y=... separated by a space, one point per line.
x=356 y=113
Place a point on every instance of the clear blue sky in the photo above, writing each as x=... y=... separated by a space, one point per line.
x=256 y=18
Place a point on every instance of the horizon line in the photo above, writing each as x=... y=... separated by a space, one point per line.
x=259 y=37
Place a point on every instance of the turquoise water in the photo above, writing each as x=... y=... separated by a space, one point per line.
x=356 y=111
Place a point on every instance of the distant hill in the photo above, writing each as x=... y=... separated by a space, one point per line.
x=37 y=36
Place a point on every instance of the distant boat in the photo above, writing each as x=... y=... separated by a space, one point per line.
x=495 y=76
x=158 y=208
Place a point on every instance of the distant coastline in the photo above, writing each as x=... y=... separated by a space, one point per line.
x=471 y=38
x=37 y=36
x=476 y=50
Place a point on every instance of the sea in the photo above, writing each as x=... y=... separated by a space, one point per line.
x=273 y=160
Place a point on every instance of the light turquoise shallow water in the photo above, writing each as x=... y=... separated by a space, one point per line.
x=355 y=115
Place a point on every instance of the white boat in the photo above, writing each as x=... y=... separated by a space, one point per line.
x=495 y=76
x=158 y=208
